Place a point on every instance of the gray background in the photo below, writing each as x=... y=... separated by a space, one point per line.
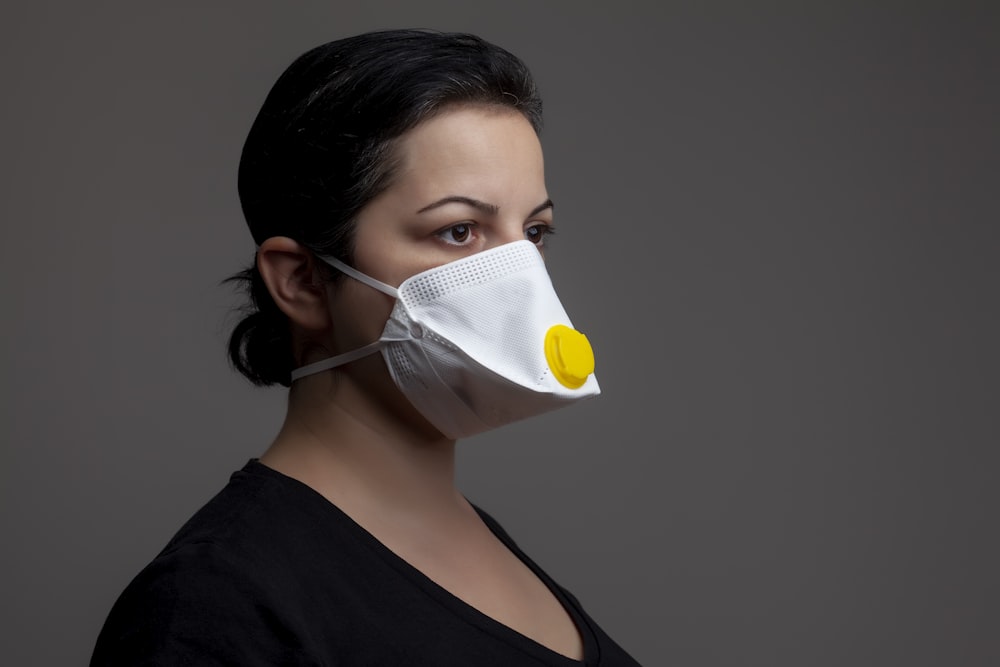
x=778 y=226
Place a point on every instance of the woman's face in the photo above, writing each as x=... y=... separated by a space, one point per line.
x=467 y=180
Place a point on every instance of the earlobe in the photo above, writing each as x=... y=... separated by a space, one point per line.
x=289 y=271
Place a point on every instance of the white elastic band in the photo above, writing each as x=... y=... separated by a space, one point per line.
x=360 y=277
x=347 y=357
x=339 y=360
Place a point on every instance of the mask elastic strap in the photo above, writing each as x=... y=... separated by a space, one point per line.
x=360 y=277
x=347 y=357
x=333 y=362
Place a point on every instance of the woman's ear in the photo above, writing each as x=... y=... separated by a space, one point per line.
x=289 y=270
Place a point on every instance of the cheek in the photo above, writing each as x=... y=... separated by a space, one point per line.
x=398 y=261
x=359 y=315
x=389 y=245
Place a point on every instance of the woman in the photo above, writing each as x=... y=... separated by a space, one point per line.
x=394 y=184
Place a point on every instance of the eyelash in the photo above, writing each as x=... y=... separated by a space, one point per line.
x=545 y=229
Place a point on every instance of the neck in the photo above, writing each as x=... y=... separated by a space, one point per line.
x=370 y=458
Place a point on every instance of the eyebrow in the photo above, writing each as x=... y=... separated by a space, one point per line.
x=485 y=207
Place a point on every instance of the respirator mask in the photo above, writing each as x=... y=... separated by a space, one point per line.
x=478 y=342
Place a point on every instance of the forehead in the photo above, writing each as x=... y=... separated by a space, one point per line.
x=470 y=142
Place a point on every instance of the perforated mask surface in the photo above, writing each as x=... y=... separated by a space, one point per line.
x=468 y=272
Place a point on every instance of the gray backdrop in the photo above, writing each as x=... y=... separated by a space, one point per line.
x=777 y=224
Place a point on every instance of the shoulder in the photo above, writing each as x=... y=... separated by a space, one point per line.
x=221 y=590
x=197 y=604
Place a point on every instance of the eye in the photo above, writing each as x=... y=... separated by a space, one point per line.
x=537 y=233
x=460 y=234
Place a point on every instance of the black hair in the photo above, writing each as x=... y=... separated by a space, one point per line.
x=321 y=148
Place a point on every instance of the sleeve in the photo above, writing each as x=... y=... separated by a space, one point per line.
x=195 y=606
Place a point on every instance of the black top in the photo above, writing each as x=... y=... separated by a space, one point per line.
x=269 y=572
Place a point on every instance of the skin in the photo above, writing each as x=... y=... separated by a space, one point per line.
x=349 y=433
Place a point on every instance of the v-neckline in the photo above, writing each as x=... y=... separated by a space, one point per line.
x=459 y=607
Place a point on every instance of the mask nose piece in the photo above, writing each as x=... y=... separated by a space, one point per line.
x=569 y=355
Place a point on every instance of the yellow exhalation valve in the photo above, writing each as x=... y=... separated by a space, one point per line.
x=569 y=355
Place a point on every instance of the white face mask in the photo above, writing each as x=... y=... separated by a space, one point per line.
x=479 y=342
